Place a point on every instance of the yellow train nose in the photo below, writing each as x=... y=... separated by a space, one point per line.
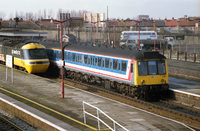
x=37 y=66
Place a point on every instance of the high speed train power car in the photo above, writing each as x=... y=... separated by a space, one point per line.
x=131 y=72
x=28 y=56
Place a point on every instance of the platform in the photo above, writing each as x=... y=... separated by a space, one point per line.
x=48 y=93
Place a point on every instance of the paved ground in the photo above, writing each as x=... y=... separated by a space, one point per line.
x=48 y=93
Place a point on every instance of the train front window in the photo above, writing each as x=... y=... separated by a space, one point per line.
x=152 y=69
x=161 y=67
x=142 y=68
x=35 y=54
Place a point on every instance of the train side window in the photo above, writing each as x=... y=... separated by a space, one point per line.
x=73 y=57
x=85 y=59
x=103 y=61
x=99 y=61
x=80 y=56
x=58 y=54
x=65 y=55
x=69 y=56
x=76 y=58
x=96 y=62
x=131 y=68
x=119 y=65
x=115 y=64
x=111 y=64
x=123 y=65
x=107 y=63
x=90 y=60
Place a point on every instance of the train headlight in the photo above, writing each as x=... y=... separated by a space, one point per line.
x=162 y=80
x=142 y=81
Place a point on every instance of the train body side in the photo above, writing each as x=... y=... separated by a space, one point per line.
x=107 y=67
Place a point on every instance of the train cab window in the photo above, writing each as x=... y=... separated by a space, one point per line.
x=142 y=68
x=85 y=59
x=115 y=64
x=123 y=65
x=107 y=63
x=152 y=68
x=161 y=67
x=99 y=61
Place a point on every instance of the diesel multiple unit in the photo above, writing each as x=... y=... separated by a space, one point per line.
x=132 y=72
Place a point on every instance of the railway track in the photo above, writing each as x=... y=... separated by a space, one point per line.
x=6 y=125
x=164 y=108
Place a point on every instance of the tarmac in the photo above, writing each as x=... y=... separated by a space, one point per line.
x=48 y=93
x=186 y=70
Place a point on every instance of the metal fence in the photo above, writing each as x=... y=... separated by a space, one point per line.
x=185 y=52
x=97 y=116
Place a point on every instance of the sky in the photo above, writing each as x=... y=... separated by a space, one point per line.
x=121 y=9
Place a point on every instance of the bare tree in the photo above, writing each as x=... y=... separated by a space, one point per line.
x=2 y=15
x=45 y=14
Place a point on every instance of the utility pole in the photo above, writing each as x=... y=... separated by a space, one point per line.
x=108 y=28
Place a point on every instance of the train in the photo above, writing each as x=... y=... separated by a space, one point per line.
x=27 y=55
x=137 y=73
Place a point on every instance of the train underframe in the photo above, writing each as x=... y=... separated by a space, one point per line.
x=141 y=91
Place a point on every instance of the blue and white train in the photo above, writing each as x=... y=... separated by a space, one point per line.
x=132 y=72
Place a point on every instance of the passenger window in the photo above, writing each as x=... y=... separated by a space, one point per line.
x=95 y=61
x=85 y=59
x=99 y=61
x=91 y=61
x=119 y=65
x=80 y=56
x=107 y=63
x=115 y=64
x=111 y=64
x=73 y=57
x=103 y=61
x=123 y=65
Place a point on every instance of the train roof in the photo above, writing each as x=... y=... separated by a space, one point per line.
x=108 y=51
x=19 y=43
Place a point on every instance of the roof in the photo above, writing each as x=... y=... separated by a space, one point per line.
x=19 y=43
x=107 y=51
x=171 y=23
x=22 y=33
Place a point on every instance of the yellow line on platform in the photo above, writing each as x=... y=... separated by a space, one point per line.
x=81 y=123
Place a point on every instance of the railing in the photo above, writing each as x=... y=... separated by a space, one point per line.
x=100 y=120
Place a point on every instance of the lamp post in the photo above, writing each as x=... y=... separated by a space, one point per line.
x=154 y=23
x=138 y=21
x=113 y=23
x=94 y=30
x=62 y=58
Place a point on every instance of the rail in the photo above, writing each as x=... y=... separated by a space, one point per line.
x=99 y=120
